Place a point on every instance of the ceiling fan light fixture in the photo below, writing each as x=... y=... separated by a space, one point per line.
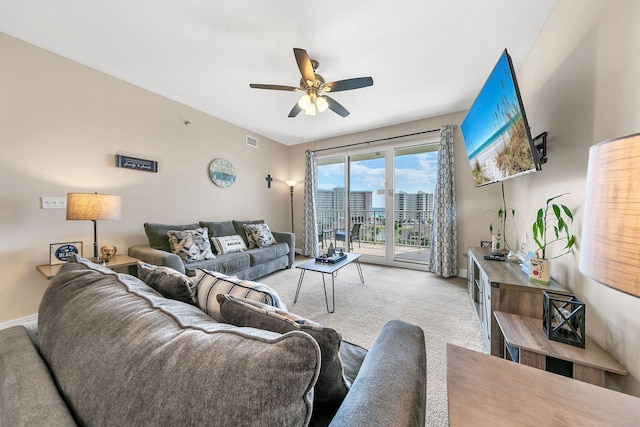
x=304 y=102
x=321 y=104
x=311 y=110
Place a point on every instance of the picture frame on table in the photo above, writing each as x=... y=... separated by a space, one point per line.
x=59 y=253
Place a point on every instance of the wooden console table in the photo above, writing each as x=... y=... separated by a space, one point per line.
x=488 y=391
x=526 y=334
x=118 y=261
x=502 y=286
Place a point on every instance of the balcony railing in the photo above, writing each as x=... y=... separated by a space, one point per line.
x=411 y=227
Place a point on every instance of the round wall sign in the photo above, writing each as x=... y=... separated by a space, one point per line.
x=222 y=173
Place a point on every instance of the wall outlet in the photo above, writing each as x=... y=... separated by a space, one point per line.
x=54 y=202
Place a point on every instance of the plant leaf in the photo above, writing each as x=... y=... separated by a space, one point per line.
x=567 y=212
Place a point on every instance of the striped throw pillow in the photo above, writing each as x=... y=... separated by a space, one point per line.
x=211 y=283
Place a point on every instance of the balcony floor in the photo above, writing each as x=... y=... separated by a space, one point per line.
x=405 y=253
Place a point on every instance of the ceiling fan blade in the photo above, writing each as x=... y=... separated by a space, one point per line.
x=304 y=64
x=295 y=110
x=275 y=87
x=336 y=107
x=348 y=84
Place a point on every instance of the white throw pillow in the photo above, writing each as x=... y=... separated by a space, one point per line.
x=211 y=283
x=229 y=244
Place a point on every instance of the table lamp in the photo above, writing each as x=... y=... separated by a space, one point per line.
x=610 y=245
x=93 y=207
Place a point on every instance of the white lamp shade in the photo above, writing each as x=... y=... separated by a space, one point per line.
x=93 y=206
x=304 y=102
x=610 y=245
x=321 y=104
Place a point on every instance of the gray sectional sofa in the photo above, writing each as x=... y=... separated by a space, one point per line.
x=110 y=350
x=248 y=265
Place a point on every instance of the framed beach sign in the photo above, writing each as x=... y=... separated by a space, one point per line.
x=59 y=253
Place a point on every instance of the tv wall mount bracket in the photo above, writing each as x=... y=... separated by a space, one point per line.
x=540 y=142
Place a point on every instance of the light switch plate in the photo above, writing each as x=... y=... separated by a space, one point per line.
x=54 y=202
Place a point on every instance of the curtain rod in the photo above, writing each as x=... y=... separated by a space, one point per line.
x=376 y=140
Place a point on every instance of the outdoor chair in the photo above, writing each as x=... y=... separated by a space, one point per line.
x=354 y=235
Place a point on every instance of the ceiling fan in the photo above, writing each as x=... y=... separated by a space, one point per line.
x=315 y=88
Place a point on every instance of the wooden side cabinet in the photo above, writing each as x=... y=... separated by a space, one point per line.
x=502 y=286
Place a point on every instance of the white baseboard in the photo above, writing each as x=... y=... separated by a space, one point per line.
x=462 y=272
x=19 y=321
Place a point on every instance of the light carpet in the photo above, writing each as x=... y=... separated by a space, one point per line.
x=442 y=308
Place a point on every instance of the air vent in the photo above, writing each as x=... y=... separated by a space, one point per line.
x=252 y=142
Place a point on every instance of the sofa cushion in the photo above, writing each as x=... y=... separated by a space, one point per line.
x=28 y=393
x=169 y=282
x=122 y=354
x=228 y=244
x=220 y=228
x=259 y=235
x=191 y=245
x=239 y=227
x=260 y=256
x=332 y=386
x=226 y=263
x=157 y=234
x=210 y=283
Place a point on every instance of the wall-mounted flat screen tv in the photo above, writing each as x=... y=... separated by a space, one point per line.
x=496 y=133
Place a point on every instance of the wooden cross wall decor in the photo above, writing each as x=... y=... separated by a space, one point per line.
x=269 y=179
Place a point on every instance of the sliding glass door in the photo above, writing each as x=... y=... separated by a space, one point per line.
x=378 y=202
x=414 y=185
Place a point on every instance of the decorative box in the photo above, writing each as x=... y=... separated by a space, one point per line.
x=563 y=318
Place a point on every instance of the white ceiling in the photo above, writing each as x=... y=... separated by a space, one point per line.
x=426 y=57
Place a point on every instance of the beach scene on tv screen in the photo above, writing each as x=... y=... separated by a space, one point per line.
x=494 y=130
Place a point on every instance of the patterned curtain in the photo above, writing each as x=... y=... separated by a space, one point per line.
x=310 y=220
x=444 y=236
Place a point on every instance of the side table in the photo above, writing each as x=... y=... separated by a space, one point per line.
x=489 y=391
x=589 y=364
x=117 y=261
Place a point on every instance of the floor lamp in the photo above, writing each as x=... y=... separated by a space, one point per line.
x=93 y=207
x=291 y=185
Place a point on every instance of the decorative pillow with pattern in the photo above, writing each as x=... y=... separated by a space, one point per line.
x=332 y=385
x=211 y=283
x=170 y=283
x=259 y=235
x=190 y=245
x=229 y=244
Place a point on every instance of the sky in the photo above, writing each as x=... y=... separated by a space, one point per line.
x=480 y=123
x=413 y=173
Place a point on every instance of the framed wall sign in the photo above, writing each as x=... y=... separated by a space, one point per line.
x=59 y=253
x=135 y=163
x=222 y=173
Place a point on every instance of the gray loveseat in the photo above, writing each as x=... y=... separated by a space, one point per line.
x=109 y=350
x=248 y=265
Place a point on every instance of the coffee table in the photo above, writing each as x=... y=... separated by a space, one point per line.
x=326 y=268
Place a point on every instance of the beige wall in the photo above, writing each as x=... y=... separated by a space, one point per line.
x=61 y=125
x=580 y=83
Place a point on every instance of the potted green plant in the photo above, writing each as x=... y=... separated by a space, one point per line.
x=552 y=226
